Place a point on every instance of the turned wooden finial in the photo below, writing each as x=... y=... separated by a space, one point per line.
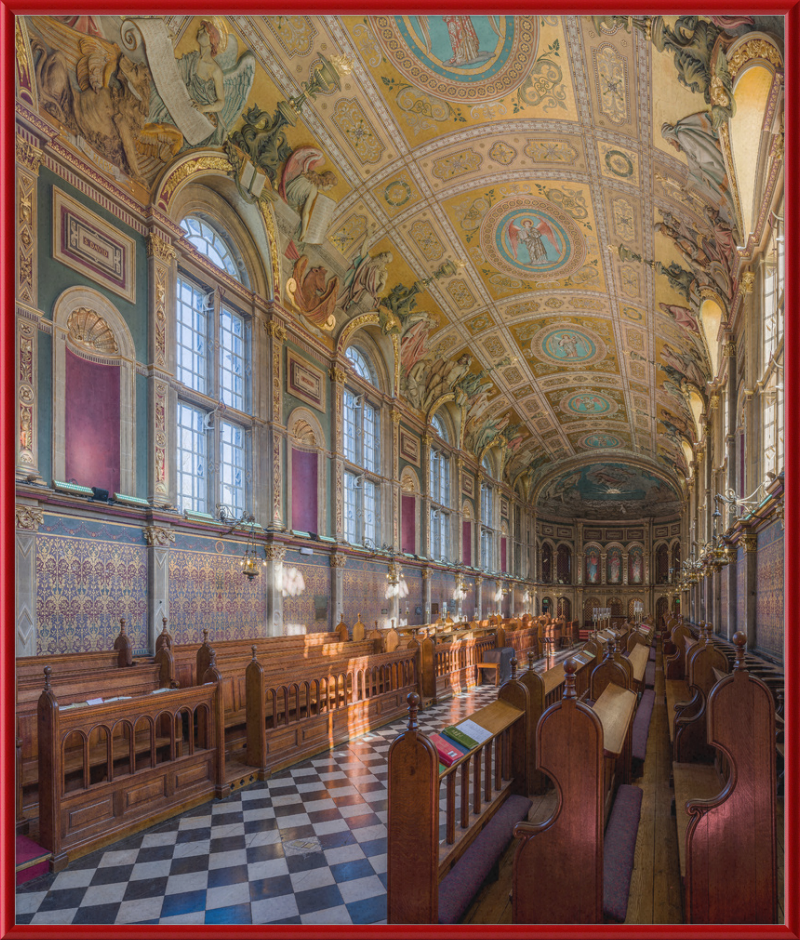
x=47 y=672
x=212 y=658
x=610 y=649
x=530 y=660
x=739 y=641
x=392 y=623
x=514 y=665
x=205 y=634
x=163 y=624
x=618 y=645
x=254 y=649
x=569 y=679
x=122 y=626
x=413 y=707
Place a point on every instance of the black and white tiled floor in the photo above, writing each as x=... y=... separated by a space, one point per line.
x=306 y=847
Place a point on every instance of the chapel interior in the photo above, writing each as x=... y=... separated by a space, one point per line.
x=399 y=469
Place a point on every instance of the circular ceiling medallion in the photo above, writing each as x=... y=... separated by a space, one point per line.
x=601 y=440
x=468 y=59
x=531 y=238
x=587 y=404
x=568 y=345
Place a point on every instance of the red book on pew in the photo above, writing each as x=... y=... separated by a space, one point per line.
x=448 y=754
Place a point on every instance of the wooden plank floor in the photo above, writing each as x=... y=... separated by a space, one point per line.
x=655 y=896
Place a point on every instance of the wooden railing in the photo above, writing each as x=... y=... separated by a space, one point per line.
x=108 y=769
x=287 y=721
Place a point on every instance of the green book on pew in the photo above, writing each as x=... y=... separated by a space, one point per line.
x=457 y=735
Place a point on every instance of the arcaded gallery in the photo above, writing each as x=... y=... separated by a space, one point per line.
x=399 y=469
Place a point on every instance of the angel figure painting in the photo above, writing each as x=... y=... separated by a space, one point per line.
x=301 y=186
x=217 y=81
x=529 y=241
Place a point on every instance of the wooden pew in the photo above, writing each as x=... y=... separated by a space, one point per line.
x=493 y=795
x=725 y=814
x=292 y=718
x=688 y=716
x=75 y=677
x=674 y=657
x=558 y=866
x=451 y=666
x=108 y=770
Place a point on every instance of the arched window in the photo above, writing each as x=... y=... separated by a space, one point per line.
x=547 y=563
x=362 y=451
x=487 y=533
x=439 y=492
x=772 y=299
x=564 y=564
x=441 y=430
x=662 y=564
x=487 y=465
x=211 y=241
x=212 y=367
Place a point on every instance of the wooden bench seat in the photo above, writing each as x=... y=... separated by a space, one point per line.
x=727 y=833
x=677 y=691
x=619 y=848
x=691 y=782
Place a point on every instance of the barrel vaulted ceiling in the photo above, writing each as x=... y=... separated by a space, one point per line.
x=537 y=207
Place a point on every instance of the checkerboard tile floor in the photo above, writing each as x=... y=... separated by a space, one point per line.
x=306 y=847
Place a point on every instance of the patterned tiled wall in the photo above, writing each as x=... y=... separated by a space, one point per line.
x=769 y=590
x=307 y=593
x=741 y=591
x=88 y=575
x=365 y=593
x=413 y=579
x=468 y=604
x=443 y=583
x=207 y=590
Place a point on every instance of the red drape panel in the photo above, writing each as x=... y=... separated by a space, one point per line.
x=91 y=423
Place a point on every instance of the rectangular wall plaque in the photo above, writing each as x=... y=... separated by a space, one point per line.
x=409 y=447
x=84 y=242
x=304 y=381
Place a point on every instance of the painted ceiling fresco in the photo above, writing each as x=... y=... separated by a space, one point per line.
x=536 y=207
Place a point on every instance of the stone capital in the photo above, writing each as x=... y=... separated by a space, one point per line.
x=337 y=375
x=159 y=248
x=156 y=535
x=276 y=330
x=28 y=518
x=338 y=560
x=275 y=553
x=750 y=542
x=28 y=156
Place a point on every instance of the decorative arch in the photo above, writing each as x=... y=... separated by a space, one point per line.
x=631 y=601
x=592 y=559
x=88 y=328
x=636 y=563
x=588 y=606
x=754 y=62
x=391 y=377
x=409 y=481
x=563 y=563
x=661 y=556
x=614 y=552
x=212 y=169
x=711 y=316
x=306 y=498
x=616 y=603
x=546 y=561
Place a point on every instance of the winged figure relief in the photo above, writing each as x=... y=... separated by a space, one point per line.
x=532 y=234
x=217 y=81
x=301 y=184
x=464 y=41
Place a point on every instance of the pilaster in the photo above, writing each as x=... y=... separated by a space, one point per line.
x=158 y=539
x=338 y=561
x=28 y=519
x=275 y=555
x=276 y=332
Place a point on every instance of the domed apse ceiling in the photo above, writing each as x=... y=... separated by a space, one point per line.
x=549 y=194
x=607 y=490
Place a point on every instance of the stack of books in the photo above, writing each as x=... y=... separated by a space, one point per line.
x=456 y=741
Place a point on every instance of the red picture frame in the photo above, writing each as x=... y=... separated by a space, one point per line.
x=792 y=515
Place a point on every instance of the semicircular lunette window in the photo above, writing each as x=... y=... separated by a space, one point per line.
x=210 y=242
x=360 y=363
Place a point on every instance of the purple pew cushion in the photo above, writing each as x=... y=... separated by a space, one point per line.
x=650 y=676
x=461 y=884
x=652 y=654
x=618 y=850
x=641 y=724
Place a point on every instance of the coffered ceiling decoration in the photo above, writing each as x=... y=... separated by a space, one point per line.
x=538 y=206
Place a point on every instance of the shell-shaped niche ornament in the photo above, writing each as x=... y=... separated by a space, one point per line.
x=89 y=330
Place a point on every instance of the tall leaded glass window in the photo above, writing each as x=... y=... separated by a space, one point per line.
x=212 y=371
x=192 y=465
